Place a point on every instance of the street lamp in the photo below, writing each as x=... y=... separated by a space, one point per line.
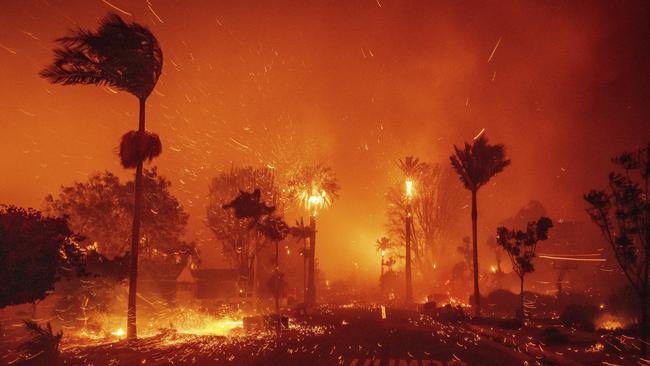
x=409 y=192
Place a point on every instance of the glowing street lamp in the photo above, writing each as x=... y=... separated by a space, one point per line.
x=409 y=192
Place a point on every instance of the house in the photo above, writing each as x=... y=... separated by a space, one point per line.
x=207 y=284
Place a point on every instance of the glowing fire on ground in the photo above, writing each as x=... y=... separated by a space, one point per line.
x=610 y=322
x=182 y=321
x=119 y=333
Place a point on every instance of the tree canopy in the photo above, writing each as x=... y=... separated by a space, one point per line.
x=101 y=210
x=35 y=252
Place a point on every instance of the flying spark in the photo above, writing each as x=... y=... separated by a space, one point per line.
x=494 y=50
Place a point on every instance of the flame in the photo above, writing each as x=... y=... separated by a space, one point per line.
x=493 y=269
x=410 y=189
x=119 y=333
x=611 y=322
x=314 y=201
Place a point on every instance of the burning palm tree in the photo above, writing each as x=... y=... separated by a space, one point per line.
x=315 y=187
x=125 y=56
x=476 y=164
x=411 y=167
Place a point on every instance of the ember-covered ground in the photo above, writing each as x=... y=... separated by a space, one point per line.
x=357 y=335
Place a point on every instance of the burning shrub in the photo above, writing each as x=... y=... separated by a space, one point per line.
x=139 y=146
x=43 y=345
x=579 y=316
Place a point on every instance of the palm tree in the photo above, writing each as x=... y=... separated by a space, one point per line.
x=475 y=165
x=383 y=245
x=411 y=167
x=315 y=187
x=127 y=57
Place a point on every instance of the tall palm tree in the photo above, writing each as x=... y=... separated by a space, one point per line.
x=476 y=164
x=411 y=167
x=315 y=187
x=127 y=57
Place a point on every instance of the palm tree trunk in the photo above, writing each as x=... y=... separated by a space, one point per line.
x=477 y=294
x=311 y=280
x=643 y=325
x=408 y=273
x=522 y=315
x=277 y=289
x=135 y=241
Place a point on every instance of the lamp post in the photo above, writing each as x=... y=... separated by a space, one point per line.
x=409 y=191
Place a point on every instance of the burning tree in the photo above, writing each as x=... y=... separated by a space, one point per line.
x=315 y=187
x=125 y=56
x=239 y=244
x=622 y=212
x=520 y=246
x=476 y=164
x=35 y=252
x=432 y=210
x=100 y=209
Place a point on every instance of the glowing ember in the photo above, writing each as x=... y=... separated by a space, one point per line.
x=314 y=201
x=119 y=333
x=610 y=322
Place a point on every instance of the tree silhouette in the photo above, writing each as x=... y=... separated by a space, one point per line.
x=100 y=209
x=35 y=252
x=520 y=246
x=125 y=56
x=622 y=212
x=434 y=208
x=476 y=164
x=232 y=227
x=384 y=244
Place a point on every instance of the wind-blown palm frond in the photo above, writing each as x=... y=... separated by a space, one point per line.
x=411 y=166
x=122 y=55
x=477 y=163
x=314 y=180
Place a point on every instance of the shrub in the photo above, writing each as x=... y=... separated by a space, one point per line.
x=42 y=347
x=579 y=316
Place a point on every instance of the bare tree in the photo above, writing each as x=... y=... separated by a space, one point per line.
x=434 y=206
x=238 y=243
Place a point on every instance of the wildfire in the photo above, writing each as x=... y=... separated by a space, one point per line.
x=119 y=333
x=314 y=201
x=610 y=322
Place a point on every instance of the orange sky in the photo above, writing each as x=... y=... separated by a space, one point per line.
x=353 y=84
